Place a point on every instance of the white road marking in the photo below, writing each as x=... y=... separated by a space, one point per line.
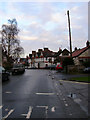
x=1 y=107
x=70 y=114
x=77 y=100
x=66 y=104
x=73 y=82
x=24 y=114
x=29 y=112
x=64 y=99
x=44 y=93
x=53 y=109
x=46 y=109
x=28 y=115
x=6 y=109
x=8 y=92
x=42 y=106
x=9 y=113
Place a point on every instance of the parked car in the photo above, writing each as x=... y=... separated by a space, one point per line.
x=34 y=67
x=18 y=69
x=5 y=74
x=86 y=70
x=59 y=67
x=51 y=67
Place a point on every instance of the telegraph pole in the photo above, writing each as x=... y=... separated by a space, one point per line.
x=69 y=33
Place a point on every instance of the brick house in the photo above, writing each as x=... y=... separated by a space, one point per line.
x=81 y=55
x=65 y=53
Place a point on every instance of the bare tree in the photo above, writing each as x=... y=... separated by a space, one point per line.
x=10 y=41
x=18 y=51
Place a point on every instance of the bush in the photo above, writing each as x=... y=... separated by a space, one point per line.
x=68 y=61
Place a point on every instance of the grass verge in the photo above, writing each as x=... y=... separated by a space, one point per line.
x=81 y=79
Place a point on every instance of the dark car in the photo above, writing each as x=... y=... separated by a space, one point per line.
x=86 y=70
x=5 y=74
x=51 y=67
x=18 y=69
x=34 y=67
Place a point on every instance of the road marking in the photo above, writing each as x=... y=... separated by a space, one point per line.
x=77 y=100
x=53 y=109
x=44 y=93
x=64 y=99
x=73 y=82
x=24 y=114
x=46 y=109
x=70 y=114
x=8 y=92
x=28 y=115
x=6 y=109
x=1 y=107
x=42 y=106
x=29 y=112
x=66 y=104
x=9 y=113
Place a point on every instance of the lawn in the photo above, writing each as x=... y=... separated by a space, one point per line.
x=82 y=79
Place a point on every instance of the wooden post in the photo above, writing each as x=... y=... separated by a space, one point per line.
x=69 y=33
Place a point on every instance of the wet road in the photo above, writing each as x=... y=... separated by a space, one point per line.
x=36 y=94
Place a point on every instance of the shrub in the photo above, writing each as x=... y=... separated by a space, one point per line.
x=68 y=61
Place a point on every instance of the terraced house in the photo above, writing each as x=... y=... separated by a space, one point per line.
x=46 y=57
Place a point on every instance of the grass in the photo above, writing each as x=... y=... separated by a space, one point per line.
x=81 y=79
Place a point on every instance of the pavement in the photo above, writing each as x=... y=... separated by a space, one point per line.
x=43 y=94
x=74 y=91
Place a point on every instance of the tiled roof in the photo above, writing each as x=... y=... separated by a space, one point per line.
x=79 y=51
x=48 y=53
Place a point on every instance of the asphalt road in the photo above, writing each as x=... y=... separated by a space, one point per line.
x=37 y=94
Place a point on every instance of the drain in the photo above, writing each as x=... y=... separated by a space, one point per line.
x=72 y=95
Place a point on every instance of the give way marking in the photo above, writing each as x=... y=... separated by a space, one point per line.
x=9 y=113
x=28 y=115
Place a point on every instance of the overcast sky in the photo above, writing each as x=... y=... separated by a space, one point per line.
x=46 y=24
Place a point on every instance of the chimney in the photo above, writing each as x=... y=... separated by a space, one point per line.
x=45 y=49
x=75 y=49
x=39 y=50
x=87 y=43
x=33 y=52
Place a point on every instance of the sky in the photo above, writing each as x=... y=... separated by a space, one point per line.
x=45 y=24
